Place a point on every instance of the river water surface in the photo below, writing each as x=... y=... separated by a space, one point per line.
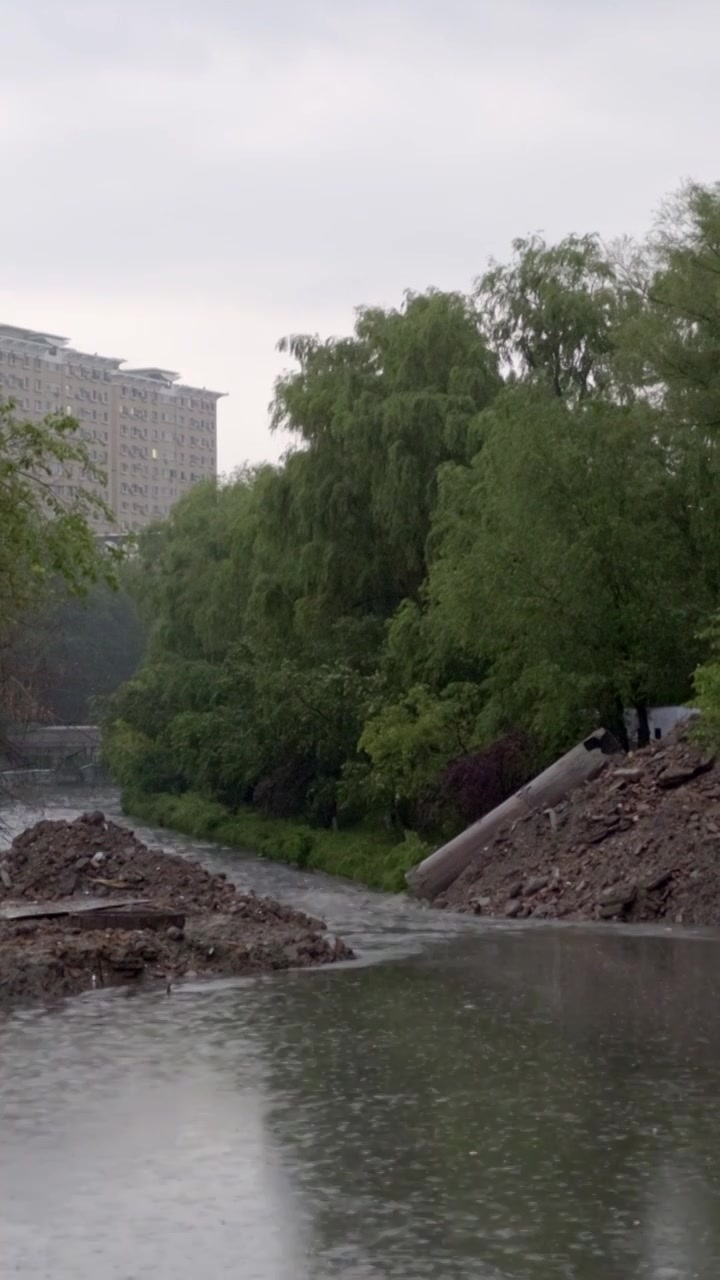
x=495 y=1102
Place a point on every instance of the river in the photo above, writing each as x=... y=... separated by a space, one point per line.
x=491 y=1102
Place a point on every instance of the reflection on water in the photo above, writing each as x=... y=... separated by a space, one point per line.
x=512 y=1103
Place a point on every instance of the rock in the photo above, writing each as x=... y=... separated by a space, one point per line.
x=5 y=877
x=481 y=904
x=619 y=895
x=534 y=885
x=81 y=863
x=609 y=910
x=676 y=775
x=657 y=880
x=98 y=858
x=629 y=775
x=175 y=933
x=609 y=829
x=541 y=912
x=512 y=907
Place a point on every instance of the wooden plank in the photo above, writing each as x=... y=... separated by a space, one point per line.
x=64 y=907
x=132 y=918
x=438 y=871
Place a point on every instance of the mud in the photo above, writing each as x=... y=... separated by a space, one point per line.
x=201 y=924
x=639 y=843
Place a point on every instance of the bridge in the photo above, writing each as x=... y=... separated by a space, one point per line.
x=69 y=751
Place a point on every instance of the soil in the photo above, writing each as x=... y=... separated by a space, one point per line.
x=639 y=843
x=181 y=920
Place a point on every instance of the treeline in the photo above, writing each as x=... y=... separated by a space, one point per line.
x=499 y=526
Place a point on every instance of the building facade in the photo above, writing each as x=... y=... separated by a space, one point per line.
x=150 y=436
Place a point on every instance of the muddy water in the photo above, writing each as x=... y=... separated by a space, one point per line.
x=498 y=1102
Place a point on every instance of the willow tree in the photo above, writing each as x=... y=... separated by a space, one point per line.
x=561 y=561
x=374 y=417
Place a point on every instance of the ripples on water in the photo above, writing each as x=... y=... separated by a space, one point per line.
x=506 y=1103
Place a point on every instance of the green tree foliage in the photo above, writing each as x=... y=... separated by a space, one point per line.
x=44 y=537
x=707 y=687
x=46 y=542
x=561 y=560
x=498 y=520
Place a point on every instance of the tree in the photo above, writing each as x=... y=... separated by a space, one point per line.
x=44 y=537
x=553 y=312
x=44 y=540
x=561 y=561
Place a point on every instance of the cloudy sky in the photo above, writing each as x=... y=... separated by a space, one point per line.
x=185 y=181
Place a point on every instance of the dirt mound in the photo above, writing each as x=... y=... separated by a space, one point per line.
x=641 y=842
x=86 y=904
x=93 y=855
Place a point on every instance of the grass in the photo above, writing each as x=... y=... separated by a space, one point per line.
x=370 y=855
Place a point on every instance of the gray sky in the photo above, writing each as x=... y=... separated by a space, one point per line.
x=185 y=181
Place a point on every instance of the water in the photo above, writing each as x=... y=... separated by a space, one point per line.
x=490 y=1102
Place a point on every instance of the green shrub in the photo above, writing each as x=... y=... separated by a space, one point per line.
x=372 y=856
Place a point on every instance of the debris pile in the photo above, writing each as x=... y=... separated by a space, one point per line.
x=639 y=843
x=85 y=904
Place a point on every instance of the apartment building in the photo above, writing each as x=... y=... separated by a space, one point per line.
x=149 y=435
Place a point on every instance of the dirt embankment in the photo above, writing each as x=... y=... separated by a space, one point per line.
x=125 y=912
x=639 y=843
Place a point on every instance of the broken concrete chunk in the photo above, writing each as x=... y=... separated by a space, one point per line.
x=534 y=885
x=620 y=895
x=678 y=774
x=656 y=880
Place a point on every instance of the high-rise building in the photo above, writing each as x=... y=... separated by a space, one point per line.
x=150 y=436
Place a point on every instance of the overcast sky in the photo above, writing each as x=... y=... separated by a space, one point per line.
x=185 y=181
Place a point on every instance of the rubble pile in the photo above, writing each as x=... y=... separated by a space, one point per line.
x=639 y=843
x=124 y=912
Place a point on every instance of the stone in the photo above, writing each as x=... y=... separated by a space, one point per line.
x=174 y=932
x=5 y=877
x=657 y=880
x=620 y=895
x=541 y=912
x=535 y=884
x=610 y=910
x=98 y=858
x=81 y=864
x=512 y=907
x=481 y=904
x=675 y=777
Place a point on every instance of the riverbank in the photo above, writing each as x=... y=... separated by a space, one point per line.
x=86 y=904
x=373 y=857
x=641 y=843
